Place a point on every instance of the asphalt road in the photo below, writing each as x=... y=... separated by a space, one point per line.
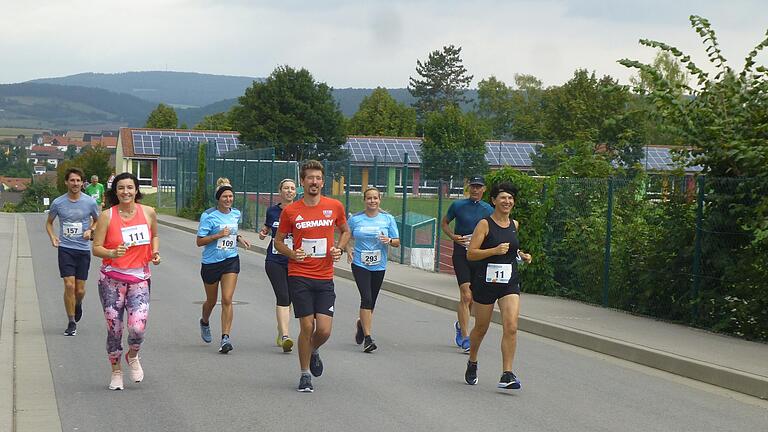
x=413 y=382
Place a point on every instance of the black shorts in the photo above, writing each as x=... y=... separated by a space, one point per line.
x=487 y=293
x=74 y=262
x=311 y=296
x=211 y=273
x=463 y=268
x=278 y=277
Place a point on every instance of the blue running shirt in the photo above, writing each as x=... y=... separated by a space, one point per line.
x=211 y=222
x=467 y=214
x=74 y=219
x=370 y=253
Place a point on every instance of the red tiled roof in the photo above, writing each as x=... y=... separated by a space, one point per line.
x=19 y=184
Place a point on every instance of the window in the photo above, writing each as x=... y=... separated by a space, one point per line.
x=142 y=169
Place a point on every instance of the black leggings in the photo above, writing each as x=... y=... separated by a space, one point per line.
x=369 y=284
x=278 y=277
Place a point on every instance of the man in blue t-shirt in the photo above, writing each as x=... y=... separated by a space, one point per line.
x=77 y=213
x=467 y=213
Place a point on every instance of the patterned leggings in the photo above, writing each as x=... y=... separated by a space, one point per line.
x=117 y=296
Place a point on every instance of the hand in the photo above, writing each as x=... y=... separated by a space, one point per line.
x=87 y=234
x=224 y=233
x=465 y=240
x=299 y=255
x=525 y=257
x=245 y=242
x=263 y=233
x=458 y=239
x=120 y=251
x=384 y=239
x=335 y=253
x=502 y=248
x=350 y=256
x=156 y=258
x=55 y=241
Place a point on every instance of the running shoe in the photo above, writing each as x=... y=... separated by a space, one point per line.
x=78 y=312
x=134 y=367
x=459 y=338
x=465 y=345
x=116 y=382
x=205 y=331
x=226 y=345
x=305 y=384
x=287 y=343
x=71 y=329
x=508 y=380
x=315 y=364
x=470 y=376
x=359 y=332
x=370 y=345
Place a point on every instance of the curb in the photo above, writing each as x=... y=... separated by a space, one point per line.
x=732 y=379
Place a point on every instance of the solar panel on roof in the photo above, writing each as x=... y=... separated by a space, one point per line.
x=148 y=142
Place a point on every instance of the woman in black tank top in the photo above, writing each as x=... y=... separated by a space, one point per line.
x=495 y=248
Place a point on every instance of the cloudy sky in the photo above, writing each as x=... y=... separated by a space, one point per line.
x=358 y=43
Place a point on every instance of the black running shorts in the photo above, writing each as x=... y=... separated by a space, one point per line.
x=74 y=262
x=311 y=296
x=211 y=273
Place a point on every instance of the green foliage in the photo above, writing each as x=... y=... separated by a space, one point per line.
x=512 y=113
x=32 y=198
x=8 y=207
x=454 y=145
x=198 y=204
x=93 y=160
x=442 y=83
x=293 y=113
x=219 y=121
x=71 y=151
x=380 y=115
x=162 y=117
x=14 y=163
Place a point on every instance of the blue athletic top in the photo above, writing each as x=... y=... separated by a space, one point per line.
x=370 y=253
x=272 y=221
x=467 y=214
x=211 y=222
x=74 y=219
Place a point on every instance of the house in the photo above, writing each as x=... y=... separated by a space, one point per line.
x=14 y=184
x=45 y=155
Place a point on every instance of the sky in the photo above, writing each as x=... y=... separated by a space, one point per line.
x=358 y=43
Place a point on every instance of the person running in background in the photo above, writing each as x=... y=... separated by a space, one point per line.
x=467 y=213
x=110 y=180
x=495 y=247
x=276 y=265
x=77 y=215
x=311 y=222
x=96 y=191
x=126 y=240
x=217 y=232
x=373 y=230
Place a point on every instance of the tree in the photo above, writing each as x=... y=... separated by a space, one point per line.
x=71 y=151
x=454 y=145
x=163 y=117
x=511 y=113
x=495 y=107
x=94 y=160
x=293 y=113
x=443 y=81
x=219 y=121
x=379 y=114
x=527 y=116
x=32 y=198
x=14 y=163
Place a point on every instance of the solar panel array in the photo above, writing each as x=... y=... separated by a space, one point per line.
x=386 y=150
x=147 y=142
x=660 y=159
x=516 y=154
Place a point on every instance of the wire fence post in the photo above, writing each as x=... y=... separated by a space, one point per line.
x=438 y=240
x=608 y=228
x=258 y=190
x=375 y=171
x=405 y=206
x=697 y=248
x=347 y=183
x=271 y=178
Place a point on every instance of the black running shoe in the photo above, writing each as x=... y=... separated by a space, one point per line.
x=315 y=364
x=71 y=329
x=359 y=333
x=470 y=376
x=305 y=384
x=226 y=345
x=508 y=380
x=78 y=312
x=370 y=345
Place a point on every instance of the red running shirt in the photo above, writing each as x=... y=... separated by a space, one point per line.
x=313 y=229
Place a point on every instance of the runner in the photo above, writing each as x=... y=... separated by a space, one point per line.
x=372 y=230
x=467 y=212
x=77 y=215
x=126 y=240
x=110 y=180
x=96 y=191
x=276 y=265
x=495 y=246
x=221 y=263
x=310 y=266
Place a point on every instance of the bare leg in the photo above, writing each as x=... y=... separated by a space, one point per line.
x=483 y=315
x=465 y=301
x=307 y=327
x=510 y=311
x=69 y=296
x=366 y=320
x=211 y=295
x=228 y=285
x=283 y=315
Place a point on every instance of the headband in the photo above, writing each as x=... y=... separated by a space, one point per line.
x=221 y=189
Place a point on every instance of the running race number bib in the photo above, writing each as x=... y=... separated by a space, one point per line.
x=371 y=257
x=95 y=196
x=227 y=243
x=498 y=273
x=288 y=242
x=72 y=229
x=136 y=235
x=315 y=248
x=467 y=239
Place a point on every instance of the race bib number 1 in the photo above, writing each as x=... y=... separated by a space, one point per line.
x=72 y=229
x=136 y=235
x=498 y=273
x=315 y=248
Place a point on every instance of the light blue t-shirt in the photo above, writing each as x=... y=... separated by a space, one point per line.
x=370 y=253
x=74 y=219
x=211 y=222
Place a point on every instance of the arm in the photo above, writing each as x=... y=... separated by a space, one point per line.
x=474 y=253
x=49 y=228
x=155 y=242
x=88 y=233
x=448 y=231
x=280 y=246
x=346 y=234
x=524 y=256
x=99 y=250
x=202 y=241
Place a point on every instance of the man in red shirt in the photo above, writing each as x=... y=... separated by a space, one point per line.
x=311 y=222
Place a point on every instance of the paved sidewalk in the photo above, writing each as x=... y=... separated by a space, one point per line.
x=715 y=359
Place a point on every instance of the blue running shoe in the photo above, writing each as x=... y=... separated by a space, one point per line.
x=509 y=381
x=226 y=345
x=465 y=345
x=205 y=332
x=459 y=337
x=315 y=364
